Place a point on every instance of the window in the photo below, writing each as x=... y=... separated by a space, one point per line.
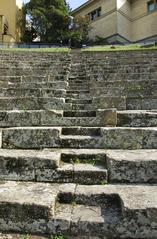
x=95 y=14
x=99 y=12
x=152 y=5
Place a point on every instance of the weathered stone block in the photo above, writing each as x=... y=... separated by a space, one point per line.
x=110 y=102
x=50 y=117
x=20 y=118
x=21 y=209
x=122 y=138
x=135 y=166
x=16 y=103
x=132 y=118
x=107 y=117
x=30 y=138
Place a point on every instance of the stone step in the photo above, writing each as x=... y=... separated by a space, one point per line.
x=86 y=174
x=78 y=88
x=21 y=210
x=137 y=118
x=134 y=166
x=82 y=107
x=104 y=102
x=8 y=235
x=78 y=101
x=123 y=166
x=48 y=166
x=77 y=81
x=123 y=76
x=34 y=82
x=76 y=91
x=78 y=85
x=79 y=166
x=81 y=210
x=78 y=95
x=33 y=103
x=100 y=83
x=31 y=137
x=122 y=91
x=103 y=138
x=17 y=118
x=79 y=113
x=30 y=92
x=81 y=131
x=141 y=103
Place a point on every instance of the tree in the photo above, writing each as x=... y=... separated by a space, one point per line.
x=48 y=18
x=79 y=35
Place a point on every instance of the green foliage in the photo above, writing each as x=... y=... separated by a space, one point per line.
x=26 y=237
x=57 y=237
x=129 y=47
x=29 y=35
x=79 y=35
x=48 y=18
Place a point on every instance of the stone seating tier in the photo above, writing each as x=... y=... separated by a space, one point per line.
x=78 y=145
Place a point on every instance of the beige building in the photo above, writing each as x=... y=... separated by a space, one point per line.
x=121 y=20
x=10 y=20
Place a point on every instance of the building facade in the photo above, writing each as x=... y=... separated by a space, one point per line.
x=121 y=21
x=10 y=20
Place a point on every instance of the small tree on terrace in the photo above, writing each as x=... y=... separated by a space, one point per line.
x=48 y=18
x=79 y=35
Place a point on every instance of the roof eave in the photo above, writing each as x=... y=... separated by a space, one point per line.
x=82 y=6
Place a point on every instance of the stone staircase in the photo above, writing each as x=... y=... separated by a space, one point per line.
x=78 y=154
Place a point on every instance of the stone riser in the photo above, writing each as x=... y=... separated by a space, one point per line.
x=38 y=93
x=123 y=103
x=99 y=83
x=78 y=101
x=57 y=103
x=80 y=95
x=55 y=118
x=137 y=118
x=50 y=137
x=117 y=91
x=124 y=77
x=32 y=80
x=33 y=103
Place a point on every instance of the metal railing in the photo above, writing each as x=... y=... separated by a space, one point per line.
x=30 y=45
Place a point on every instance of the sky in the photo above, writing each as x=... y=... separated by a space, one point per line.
x=73 y=3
